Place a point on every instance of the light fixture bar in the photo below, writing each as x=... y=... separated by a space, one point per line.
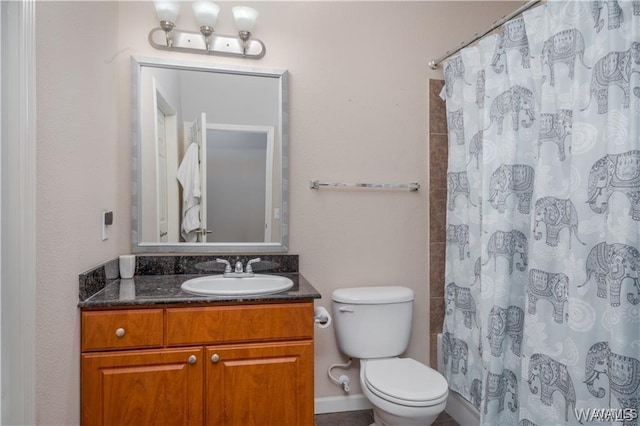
x=193 y=42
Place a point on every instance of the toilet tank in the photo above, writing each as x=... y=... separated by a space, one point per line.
x=372 y=322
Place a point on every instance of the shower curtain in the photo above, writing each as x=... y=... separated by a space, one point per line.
x=542 y=288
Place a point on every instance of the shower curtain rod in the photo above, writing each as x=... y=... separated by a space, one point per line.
x=477 y=36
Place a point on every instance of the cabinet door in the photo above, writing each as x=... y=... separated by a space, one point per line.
x=150 y=387
x=260 y=384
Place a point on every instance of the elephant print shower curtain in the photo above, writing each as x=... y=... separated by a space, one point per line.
x=542 y=282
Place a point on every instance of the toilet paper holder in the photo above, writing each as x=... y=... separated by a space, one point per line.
x=321 y=317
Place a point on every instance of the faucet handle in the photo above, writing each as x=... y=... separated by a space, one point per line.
x=227 y=268
x=248 y=268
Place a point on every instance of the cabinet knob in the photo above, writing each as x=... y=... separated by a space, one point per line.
x=120 y=332
x=215 y=358
x=192 y=359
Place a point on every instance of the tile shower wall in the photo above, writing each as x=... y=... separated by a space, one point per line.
x=438 y=150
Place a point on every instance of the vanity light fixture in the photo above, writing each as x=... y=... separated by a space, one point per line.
x=206 y=14
x=206 y=42
x=245 y=18
x=167 y=13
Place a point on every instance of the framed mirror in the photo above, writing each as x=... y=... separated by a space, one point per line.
x=210 y=158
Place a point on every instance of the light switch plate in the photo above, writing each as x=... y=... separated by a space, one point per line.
x=107 y=219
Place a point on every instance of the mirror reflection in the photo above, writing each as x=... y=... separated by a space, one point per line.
x=210 y=157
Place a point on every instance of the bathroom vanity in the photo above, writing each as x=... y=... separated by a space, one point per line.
x=154 y=354
x=162 y=356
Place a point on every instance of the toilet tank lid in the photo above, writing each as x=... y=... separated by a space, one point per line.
x=372 y=295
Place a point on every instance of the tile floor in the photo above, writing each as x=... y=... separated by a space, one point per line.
x=365 y=418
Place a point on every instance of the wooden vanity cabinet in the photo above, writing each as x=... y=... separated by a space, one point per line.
x=152 y=387
x=205 y=365
x=259 y=384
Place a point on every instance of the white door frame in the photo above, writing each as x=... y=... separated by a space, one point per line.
x=171 y=148
x=18 y=193
x=195 y=132
x=200 y=134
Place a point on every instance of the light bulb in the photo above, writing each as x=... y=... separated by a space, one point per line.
x=245 y=18
x=167 y=10
x=206 y=13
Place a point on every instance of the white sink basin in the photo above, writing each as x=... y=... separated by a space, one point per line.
x=218 y=285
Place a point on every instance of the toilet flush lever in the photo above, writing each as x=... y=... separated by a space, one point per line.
x=346 y=309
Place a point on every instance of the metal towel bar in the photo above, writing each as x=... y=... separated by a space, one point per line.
x=413 y=186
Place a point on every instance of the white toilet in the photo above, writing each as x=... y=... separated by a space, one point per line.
x=374 y=325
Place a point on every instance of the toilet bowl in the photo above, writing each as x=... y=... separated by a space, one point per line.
x=374 y=324
x=403 y=391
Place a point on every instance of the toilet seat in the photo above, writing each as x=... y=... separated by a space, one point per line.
x=405 y=381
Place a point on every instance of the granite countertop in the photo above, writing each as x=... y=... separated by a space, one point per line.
x=148 y=290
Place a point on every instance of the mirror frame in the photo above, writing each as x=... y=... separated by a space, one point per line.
x=282 y=134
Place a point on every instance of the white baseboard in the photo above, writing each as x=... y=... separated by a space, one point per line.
x=336 y=404
x=457 y=407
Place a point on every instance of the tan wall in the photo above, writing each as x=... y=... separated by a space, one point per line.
x=81 y=170
x=359 y=112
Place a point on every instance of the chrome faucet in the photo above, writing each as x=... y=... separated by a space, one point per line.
x=249 y=269
x=227 y=269
x=238 y=272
